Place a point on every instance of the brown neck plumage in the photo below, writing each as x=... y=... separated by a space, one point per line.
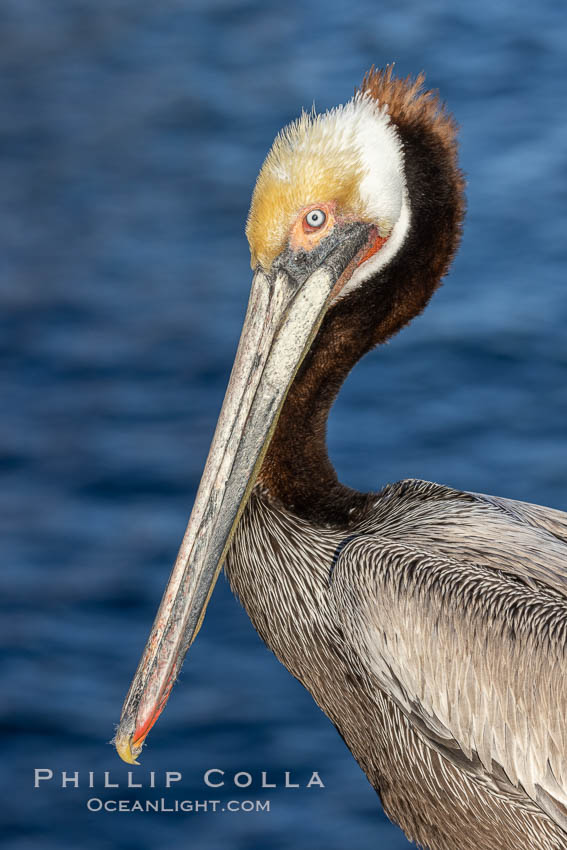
x=297 y=471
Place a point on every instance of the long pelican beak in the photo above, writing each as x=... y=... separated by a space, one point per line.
x=282 y=319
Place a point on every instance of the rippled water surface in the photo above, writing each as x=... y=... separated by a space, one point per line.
x=131 y=134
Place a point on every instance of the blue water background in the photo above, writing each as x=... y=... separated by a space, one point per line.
x=131 y=134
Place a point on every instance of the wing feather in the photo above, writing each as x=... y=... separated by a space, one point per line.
x=472 y=648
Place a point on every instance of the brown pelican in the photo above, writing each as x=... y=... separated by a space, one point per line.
x=429 y=624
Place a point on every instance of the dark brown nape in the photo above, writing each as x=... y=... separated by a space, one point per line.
x=297 y=471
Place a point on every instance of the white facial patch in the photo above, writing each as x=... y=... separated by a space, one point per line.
x=382 y=257
x=381 y=155
x=362 y=129
x=383 y=186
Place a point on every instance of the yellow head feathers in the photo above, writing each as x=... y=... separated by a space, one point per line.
x=350 y=156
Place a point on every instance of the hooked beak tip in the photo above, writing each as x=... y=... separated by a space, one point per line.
x=127 y=749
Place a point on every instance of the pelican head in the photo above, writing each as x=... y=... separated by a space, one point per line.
x=330 y=212
x=326 y=178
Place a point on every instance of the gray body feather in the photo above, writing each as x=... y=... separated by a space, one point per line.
x=432 y=632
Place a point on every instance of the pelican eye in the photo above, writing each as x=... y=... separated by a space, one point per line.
x=315 y=218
